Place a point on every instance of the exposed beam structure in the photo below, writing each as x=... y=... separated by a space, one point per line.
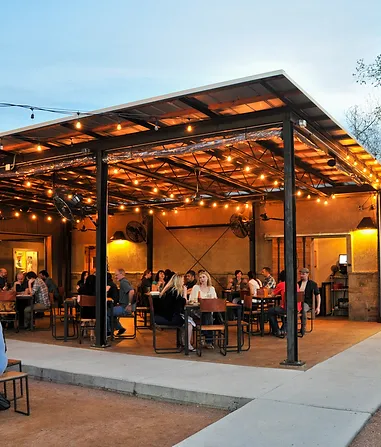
x=199 y=106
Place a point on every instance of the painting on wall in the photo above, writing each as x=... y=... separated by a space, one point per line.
x=31 y=261
x=25 y=260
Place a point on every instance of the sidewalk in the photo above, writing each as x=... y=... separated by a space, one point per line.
x=324 y=406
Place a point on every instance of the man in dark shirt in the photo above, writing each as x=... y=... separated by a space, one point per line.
x=190 y=281
x=125 y=306
x=310 y=289
x=51 y=285
x=3 y=279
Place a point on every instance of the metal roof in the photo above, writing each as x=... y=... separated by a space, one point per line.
x=233 y=149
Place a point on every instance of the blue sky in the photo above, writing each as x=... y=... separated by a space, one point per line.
x=84 y=55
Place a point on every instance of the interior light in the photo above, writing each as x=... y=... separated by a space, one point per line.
x=247 y=168
x=28 y=184
x=176 y=211
x=50 y=191
x=355 y=163
x=89 y=200
x=333 y=196
x=78 y=125
x=155 y=189
x=318 y=200
x=136 y=182
x=202 y=203
x=172 y=196
x=299 y=193
x=70 y=196
x=63 y=219
x=276 y=183
x=229 y=158
x=364 y=170
x=189 y=126
x=187 y=200
x=115 y=171
x=370 y=175
x=163 y=213
x=325 y=202
x=238 y=208
x=17 y=214
x=226 y=205
x=78 y=221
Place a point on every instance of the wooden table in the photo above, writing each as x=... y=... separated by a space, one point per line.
x=30 y=302
x=191 y=306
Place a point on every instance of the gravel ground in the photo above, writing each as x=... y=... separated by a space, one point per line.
x=65 y=415
x=370 y=435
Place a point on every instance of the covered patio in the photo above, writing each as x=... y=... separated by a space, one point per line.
x=183 y=164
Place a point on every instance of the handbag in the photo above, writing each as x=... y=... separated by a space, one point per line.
x=4 y=403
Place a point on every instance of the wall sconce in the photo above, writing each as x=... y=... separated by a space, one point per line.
x=118 y=236
x=366 y=224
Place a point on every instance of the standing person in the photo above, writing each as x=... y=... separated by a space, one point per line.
x=51 y=285
x=125 y=305
x=3 y=355
x=269 y=281
x=38 y=289
x=159 y=282
x=309 y=288
x=204 y=289
x=169 y=309
x=3 y=279
x=21 y=283
x=145 y=288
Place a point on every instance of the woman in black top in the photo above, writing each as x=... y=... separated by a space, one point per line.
x=145 y=287
x=169 y=308
x=81 y=282
x=88 y=289
x=113 y=291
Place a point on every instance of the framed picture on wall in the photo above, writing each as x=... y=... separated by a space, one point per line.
x=19 y=260
x=31 y=261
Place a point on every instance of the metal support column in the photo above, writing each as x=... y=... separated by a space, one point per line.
x=149 y=221
x=290 y=259
x=379 y=253
x=101 y=251
x=67 y=255
x=252 y=239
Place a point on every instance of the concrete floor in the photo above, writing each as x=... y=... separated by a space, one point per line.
x=64 y=415
x=329 y=337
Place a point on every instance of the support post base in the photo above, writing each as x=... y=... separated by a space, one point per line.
x=292 y=363
x=101 y=346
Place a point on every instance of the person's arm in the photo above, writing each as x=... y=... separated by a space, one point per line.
x=131 y=294
x=213 y=292
x=31 y=286
x=15 y=284
x=277 y=290
x=194 y=293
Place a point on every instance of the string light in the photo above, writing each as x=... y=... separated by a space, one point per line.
x=348 y=157
x=136 y=182
x=309 y=196
x=115 y=171
x=119 y=126
x=214 y=205
x=202 y=203
x=63 y=219
x=49 y=218
x=370 y=175
x=171 y=195
x=238 y=208
x=50 y=192
x=325 y=202
x=17 y=214
x=137 y=209
x=122 y=207
x=78 y=124
x=150 y=212
x=189 y=126
x=33 y=216
x=229 y=158
x=246 y=205
x=276 y=183
x=78 y=221
x=333 y=196
x=176 y=211
x=187 y=200
x=318 y=200
x=163 y=213
x=155 y=189
x=364 y=170
x=70 y=196
x=226 y=206
x=89 y=200
x=28 y=184
x=355 y=163
x=247 y=168
x=39 y=148
x=262 y=176
x=299 y=193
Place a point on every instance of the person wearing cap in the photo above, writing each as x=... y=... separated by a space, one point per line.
x=310 y=288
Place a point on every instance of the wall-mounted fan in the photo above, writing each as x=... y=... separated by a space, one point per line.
x=63 y=208
x=73 y=208
x=239 y=225
x=265 y=217
x=135 y=232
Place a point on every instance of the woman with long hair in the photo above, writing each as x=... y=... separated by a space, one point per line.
x=145 y=287
x=169 y=307
x=159 y=282
x=81 y=282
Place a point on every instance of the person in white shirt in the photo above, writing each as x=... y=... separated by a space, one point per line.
x=204 y=289
x=254 y=284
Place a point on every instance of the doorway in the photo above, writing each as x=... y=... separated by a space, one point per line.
x=325 y=252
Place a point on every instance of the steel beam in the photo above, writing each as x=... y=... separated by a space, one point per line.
x=379 y=253
x=252 y=241
x=199 y=106
x=290 y=258
x=150 y=244
x=101 y=251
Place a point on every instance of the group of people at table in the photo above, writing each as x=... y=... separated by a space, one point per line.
x=175 y=291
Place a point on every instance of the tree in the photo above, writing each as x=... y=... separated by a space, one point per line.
x=365 y=122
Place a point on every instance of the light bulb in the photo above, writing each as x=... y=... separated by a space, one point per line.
x=176 y=211
x=163 y=213
x=226 y=206
x=150 y=212
x=78 y=221
x=28 y=184
x=49 y=218
x=122 y=207
x=63 y=219
x=172 y=196
x=309 y=196
x=78 y=125
x=187 y=200
x=137 y=209
x=155 y=189
x=347 y=157
x=276 y=183
x=325 y=202
x=34 y=217
x=299 y=193
x=333 y=196
x=318 y=200
x=370 y=175
x=115 y=171
x=355 y=163
x=214 y=205
x=136 y=182
x=229 y=158
x=238 y=208
x=39 y=148
x=119 y=126
x=262 y=176
x=50 y=191
x=70 y=196
x=202 y=203
x=364 y=170
x=247 y=168
x=89 y=200
x=17 y=214
x=246 y=205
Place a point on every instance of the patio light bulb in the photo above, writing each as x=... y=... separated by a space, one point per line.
x=309 y=196
x=49 y=218
x=325 y=202
x=226 y=206
x=39 y=148
x=121 y=207
x=318 y=200
x=187 y=200
x=214 y=205
x=150 y=212
x=155 y=189
x=17 y=214
x=137 y=209
x=119 y=126
x=34 y=217
x=229 y=158
x=202 y=203
x=247 y=168
x=262 y=176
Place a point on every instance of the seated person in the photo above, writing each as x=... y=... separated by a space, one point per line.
x=112 y=289
x=237 y=284
x=88 y=288
x=51 y=285
x=145 y=288
x=269 y=282
x=204 y=289
x=3 y=279
x=3 y=355
x=169 y=309
x=81 y=282
x=191 y=281
x=38 y=289
x=280 y=310
x=254 y=284
x=21 y=283
x=159 y=282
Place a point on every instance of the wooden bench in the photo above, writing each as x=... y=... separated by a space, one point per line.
x=14 y=362
x=14 y=376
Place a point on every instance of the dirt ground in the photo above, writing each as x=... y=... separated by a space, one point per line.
x=370 y=435
x=65 y=415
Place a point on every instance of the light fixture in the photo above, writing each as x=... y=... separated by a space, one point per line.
x=229 y=158
x=77 y=221
x=17 y=214
x=333 y=196
x=355 y=163
x=115 y=171
x=155 y=189
x=247 y=168
x=189 y=126
x=202 y=203
x=137 y=209
x=39 y=148
x=70 y=196
x=136 y=182
x=89 y=200
x=309 y=196
x=49 y=218
x=318 y=200
x=262 y=177
x=366 y=224
x=276 y=183
x=32 y=114
x=370 y=175
x=63 y=219
x=172 y=196
x=348 y=157
x=226 y=206
x=364 y=170
x=122 y=207
x=214 y=204
x=119 y=126
x=150 y=212
x=325 y=202
x=187 y=200
x=299 y=193
x=50 y=191
x=34 y=217
x=176 y=211
x=118 y=236
x=28 y=184
x=78 y=124
x=238 y=208
x=246 y=205
x=163 y=213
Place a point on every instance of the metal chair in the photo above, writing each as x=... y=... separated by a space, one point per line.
x=13 y=377
x=208 y=305
x=156 y=326
x=86 y=302
x=56 y=317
